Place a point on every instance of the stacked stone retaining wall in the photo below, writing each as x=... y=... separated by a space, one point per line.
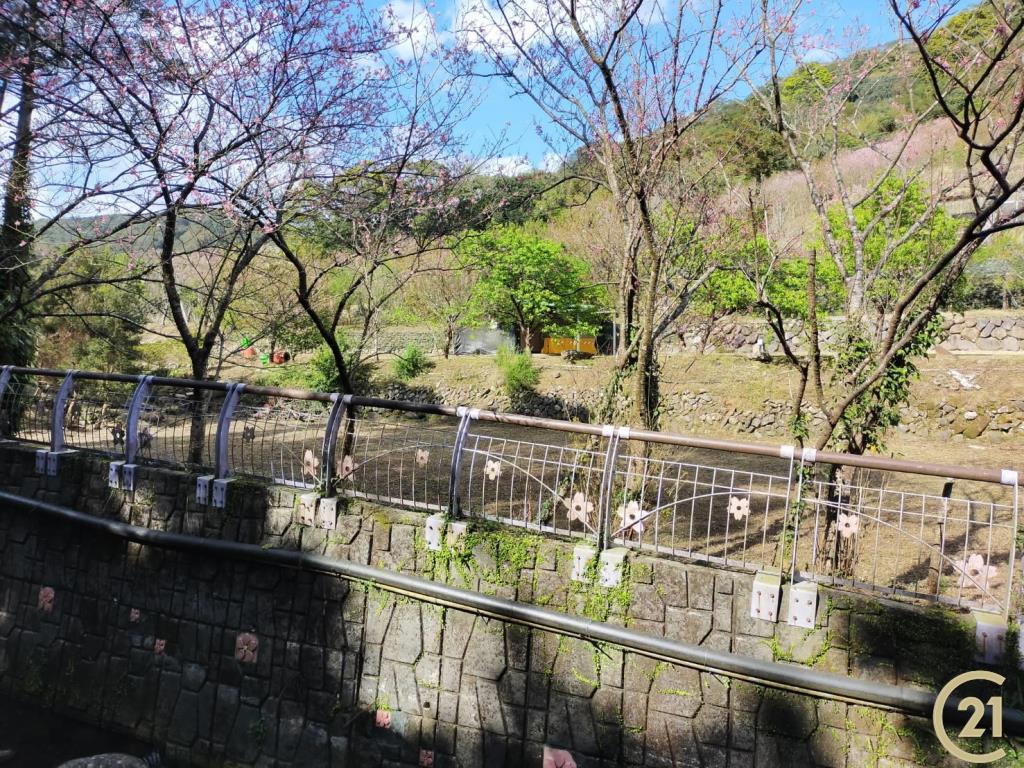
x=228 y=663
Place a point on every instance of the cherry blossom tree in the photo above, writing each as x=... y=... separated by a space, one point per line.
x=366 y=229
x=880 y=221
x=184 y=131
x=622 y=85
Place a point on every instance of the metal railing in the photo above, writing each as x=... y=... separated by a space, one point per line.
x=902 y=528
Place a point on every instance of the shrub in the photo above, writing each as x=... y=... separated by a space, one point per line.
x=519 y=374
x=410 y=363
x=504 y=355
x=324 y=376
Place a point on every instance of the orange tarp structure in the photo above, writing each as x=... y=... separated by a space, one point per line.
x=557 y=345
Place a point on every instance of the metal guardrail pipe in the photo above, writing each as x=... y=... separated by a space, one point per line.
x=787 y=677
x=882 y=463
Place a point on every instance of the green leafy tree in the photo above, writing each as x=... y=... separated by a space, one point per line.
x=807 y=82
x=912 y=232
x=443 y=298
x=872 y=258
x=531 y=284
x=97 y=326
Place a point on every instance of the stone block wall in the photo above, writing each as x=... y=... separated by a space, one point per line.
x=984 y=334
x=987 y=333
x=228 y=663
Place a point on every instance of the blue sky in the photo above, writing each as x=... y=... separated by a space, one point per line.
x=501 y=111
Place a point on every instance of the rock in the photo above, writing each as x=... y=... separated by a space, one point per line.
x=977 y=427
x=1011 y=344
x=970 y=415
x=110 y=760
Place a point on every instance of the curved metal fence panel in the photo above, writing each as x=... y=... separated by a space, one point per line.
x=176 y=426
x=398 y=458
x=538 y=479
x=26 y=409
x=901 y=528
x=278 y=438
x=96 y=416
x=698 y=506
x=909 y=535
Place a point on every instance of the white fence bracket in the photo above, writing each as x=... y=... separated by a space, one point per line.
x=764 y=596
x=803 y=605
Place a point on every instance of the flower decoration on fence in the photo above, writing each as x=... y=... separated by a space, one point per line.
x=248 y=433
x=117 y=432
x=145 y=438
x=975 y=572
x=631 y=516
x=492 y=469
x=346 y=466
x=739 y=508
x=848 y=525
x=310 y=464
x=159 y=646
x=579 y=508
x=422 y=457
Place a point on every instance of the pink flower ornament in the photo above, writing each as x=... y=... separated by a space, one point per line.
x=346 y=466
x=739 y=508
x=631 y=516
x=579 y=508
x=975 y=572
x=848 y=525
x=310 y=464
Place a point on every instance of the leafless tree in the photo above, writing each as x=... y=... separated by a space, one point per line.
x=623 y=84
x=872 y=206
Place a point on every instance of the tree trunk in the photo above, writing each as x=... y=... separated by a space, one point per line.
x=16 y=343
x=200 y=402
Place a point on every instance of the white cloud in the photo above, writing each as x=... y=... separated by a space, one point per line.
x=413 y=25
x=506 y=165
x=551 y=162
x=818 y=55
x=483 y=26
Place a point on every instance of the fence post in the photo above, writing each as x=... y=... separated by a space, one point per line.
x=122 y=473
x=219 y=479
x=5 y=380
x=46 y=460
x=604 y=500
x=466 y=416
x=131 y=440
x=59 y=407
x=328 y=452
x=1011 y=477
x=807 y=456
